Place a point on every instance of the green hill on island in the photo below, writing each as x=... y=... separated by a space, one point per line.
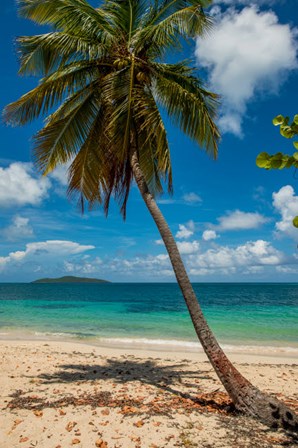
x=70 y=279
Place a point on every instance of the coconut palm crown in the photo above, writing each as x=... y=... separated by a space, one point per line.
x=102 y=87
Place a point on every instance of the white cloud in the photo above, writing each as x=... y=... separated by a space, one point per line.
x=209 y=235
x=191 y=198
x=251 y=258
x=19 y=229
x=185 y=231
x=60 y=174
x=248 y=51
x=57 y=247
x=85 y=266
x=226 y=259
x=287 y=269
x=286 y=203
x=53 y=249
x=238 y=220
x=55 y=257
x=254 y=270
x=147 y=267
x=188 y=247
x=19 y=186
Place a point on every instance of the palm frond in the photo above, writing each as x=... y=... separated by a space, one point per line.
x=118 y=95
x=74 y=16
x=184 y=19
x=66 y=131
x=98 y=66
x=45 y=53
x=52 y=90
x=86 y=173
x=117 y=90
x=153 y=148
x=160 y=9
x=126 y=15
x=190 y=106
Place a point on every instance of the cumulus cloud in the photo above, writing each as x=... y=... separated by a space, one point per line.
x=85 y=266
x=53 y=257
x=185 y=231
x=60 y=174
x=188 y=247
x=250 y=258
x=286 y=203
x=149 y=266
x=248 y=51
x=209 y=235
x=44 y=250
x=19 y=186
x=238 y=220
x=19 y=229
x=227 y=259
x=287 y=269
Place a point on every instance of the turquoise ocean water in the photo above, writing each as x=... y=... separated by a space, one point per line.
x=242 y=315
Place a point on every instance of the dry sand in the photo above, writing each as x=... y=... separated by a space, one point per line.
x=60 y=395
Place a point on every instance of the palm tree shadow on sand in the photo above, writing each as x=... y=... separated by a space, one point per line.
x=147 y=372
x=170 y=381
x=173 y=379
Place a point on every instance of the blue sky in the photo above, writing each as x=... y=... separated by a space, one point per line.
x=232 y=220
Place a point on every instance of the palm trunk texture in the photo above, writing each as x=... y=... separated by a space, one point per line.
x=246 y=397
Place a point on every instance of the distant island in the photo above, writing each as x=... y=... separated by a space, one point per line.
x=70 y=279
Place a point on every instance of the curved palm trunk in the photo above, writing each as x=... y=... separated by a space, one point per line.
x=246 y=397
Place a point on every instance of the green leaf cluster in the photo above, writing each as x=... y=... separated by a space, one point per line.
x=281 y=160
x=102 y=87
x=277 y=161
x=287 y=130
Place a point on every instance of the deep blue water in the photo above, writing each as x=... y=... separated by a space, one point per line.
x=239 y=314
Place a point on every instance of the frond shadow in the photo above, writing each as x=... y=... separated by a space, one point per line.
x=169 y=378
x=147 y=372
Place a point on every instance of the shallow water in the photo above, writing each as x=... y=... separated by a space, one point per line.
x=239 y=314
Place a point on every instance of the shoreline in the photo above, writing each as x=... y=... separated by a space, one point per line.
x=257 y=356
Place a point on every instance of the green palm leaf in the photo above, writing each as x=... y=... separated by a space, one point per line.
x=74 y=16
x=190 y=106
x=152 y=142
x=66 y=131
x=99 y=66
x=40 y=55
x=172 y=21
x=52 y=90
x=125 y=15
x=86 y=176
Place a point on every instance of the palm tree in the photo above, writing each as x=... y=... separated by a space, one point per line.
x=103 y=68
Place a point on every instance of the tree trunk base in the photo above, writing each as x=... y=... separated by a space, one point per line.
x=267 y=409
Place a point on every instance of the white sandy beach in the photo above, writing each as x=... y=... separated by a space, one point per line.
x=62 y=394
